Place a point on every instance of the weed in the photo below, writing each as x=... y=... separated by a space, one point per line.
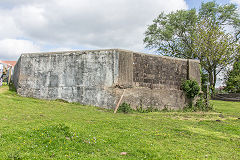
x=140 y=109
x=125 y=108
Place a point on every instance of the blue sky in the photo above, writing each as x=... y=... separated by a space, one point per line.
x=56 y=25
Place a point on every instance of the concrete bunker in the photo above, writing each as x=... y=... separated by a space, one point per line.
x=98 y=77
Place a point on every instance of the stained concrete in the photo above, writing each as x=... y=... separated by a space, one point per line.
x=98 y=77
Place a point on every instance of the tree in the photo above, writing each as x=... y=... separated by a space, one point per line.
x=213 y=48
x=177 y=34
x=233 y=78
x=171 y=34
x=225 y=15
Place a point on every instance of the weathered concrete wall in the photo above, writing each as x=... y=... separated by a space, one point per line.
x=156 y=80
x=194 y=70
x=156 y=71
x=72 y=76
x=125 y=69
x=99 y=77
x=16 y=73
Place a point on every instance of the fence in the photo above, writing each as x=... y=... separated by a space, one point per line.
x=228 y=97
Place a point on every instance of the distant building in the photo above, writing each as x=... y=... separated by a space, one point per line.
x=1 y=73
x=6 y=70
x=8 y=63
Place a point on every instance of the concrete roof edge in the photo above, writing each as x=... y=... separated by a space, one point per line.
x=114 y=49
x=155 y=55
x=72 y=51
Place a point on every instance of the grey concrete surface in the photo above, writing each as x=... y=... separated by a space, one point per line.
x=98 y=77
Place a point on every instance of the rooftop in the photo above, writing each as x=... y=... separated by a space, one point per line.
x=10 y=63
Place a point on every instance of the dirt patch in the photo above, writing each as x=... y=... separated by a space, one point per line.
x=200 y=116
x=3 y=89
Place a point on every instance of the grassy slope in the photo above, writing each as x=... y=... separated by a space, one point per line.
x=31 y=128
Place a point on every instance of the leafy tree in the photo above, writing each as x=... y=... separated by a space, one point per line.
x=171 y=34
x=233 y=78
x=213 y=48
x=177 y=34
x=225 y=15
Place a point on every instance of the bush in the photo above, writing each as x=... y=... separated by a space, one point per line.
x=203 y=105
x=200 y=105
x=125 y=108
x=191 y=88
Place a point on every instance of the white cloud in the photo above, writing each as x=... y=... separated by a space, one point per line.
x=236 y=1
x=30 y=19
x=8 y=27
x=60 y=49
x=88 y=24
x=10 y=49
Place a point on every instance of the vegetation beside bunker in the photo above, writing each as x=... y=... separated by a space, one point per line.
x=126 y=108
x=197 y=101
x=192 y=91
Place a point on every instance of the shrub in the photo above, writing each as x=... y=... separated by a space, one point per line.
x=125 y=108
x=191 y=88
x=202 y=105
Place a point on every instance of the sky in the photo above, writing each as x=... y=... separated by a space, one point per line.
x=29 y=26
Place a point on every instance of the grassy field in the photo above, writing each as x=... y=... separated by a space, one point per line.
x=39 y=129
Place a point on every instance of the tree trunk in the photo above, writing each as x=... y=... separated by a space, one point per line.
x=211 y=81
x=215 y=80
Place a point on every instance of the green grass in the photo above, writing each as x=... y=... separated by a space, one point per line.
x=40 y=129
